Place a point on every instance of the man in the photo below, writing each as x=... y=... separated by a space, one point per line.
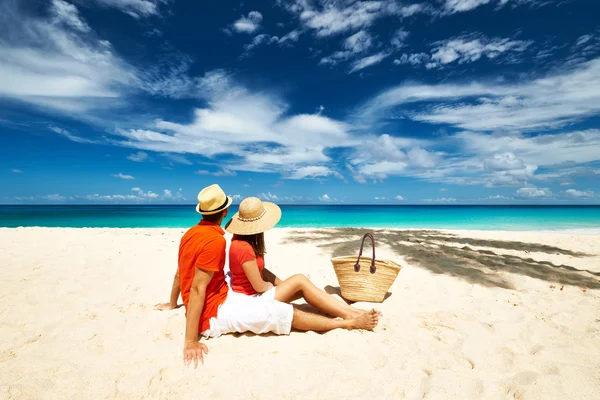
x=211 y=308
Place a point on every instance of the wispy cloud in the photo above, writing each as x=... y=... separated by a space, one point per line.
x=254 y=127
x=57 y=63
x=16 y=171
x=441 y=200
x=399 y=198
x=137 y=195
x=249 y=23
x=138 y=157
x=325 y=198
x=466 y=49
x=223 y=172
x=68 y=14
x=328 y=18
x=580 y=193
x=70 y=136
x=368 y=61
x=312 y=172
x=550 y=102
x=177 y=158
x=457 y=6
x=122 y=176
x=134 y=8
x=533 y=191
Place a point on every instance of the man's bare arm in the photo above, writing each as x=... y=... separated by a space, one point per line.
x=193 y=350
x=175 y=291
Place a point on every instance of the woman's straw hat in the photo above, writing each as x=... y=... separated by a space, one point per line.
x=254 y=216
x=211 y=200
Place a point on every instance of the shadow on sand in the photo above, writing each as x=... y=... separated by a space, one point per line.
x=438 y=252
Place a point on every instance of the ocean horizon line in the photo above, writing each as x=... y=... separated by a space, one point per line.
x=301 y=205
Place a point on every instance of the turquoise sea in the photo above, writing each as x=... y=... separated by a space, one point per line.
x=313 y=216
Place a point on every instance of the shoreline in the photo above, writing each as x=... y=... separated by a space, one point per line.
x=573 y=231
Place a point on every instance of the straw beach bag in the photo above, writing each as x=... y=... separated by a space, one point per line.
x=364 y=278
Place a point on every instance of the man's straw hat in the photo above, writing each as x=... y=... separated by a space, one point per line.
x=254 y=216
x=211 y=200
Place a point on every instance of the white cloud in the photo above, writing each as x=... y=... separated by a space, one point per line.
x=265 y=39
x=580 y=193
x=441 y=200
x=268 y=196
x=533 y=192
x=248 y=24
x=359 y=42
x=16 y=171
x=386 y=155
x=53 y=197
x=261 y=39
x=135 y=8
x=467 y=49
x=503 y=162
x=380 y=198
x=255 y=127
x=583 y=40
x=399 y=38
x=178 y=158
x=54 y=61
x=68 y=14
x=223 y=172
x=549 y=102
x=57 y=63
x=498 y=197
x=399 y=198
x=454 y=6
x=311 y=171
x=412 y=59
x=43 y=198
x=138 y=196
x=353 y=45
x=122 y=176
x=325 y=198
x=70 y=136
x=328 y=18
x=138 y=157
x=368 y=61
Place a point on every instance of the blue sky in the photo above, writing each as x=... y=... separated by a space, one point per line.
x=438 y=102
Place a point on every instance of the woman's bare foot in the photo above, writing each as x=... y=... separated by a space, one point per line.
x=367 y=320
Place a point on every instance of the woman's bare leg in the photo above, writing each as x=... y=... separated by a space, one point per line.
x=306 y=321
x=289 y=289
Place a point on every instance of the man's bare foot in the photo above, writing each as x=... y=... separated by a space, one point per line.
x=357 y=313
x=368 y=320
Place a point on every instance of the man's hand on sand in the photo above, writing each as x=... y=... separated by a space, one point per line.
x=193 y=351
x=166 y=306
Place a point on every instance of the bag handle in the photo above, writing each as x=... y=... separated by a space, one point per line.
x=357 y=265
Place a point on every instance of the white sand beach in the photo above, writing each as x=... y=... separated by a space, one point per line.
x=472 y=315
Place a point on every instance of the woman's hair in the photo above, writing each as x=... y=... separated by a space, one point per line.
x=257 y=242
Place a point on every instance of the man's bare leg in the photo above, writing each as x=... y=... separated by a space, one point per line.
x=288 y=291
x=306 y=321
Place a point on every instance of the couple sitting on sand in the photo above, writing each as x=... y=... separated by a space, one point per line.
x=258 y=301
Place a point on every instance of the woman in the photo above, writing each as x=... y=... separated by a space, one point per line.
x=247 y=264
